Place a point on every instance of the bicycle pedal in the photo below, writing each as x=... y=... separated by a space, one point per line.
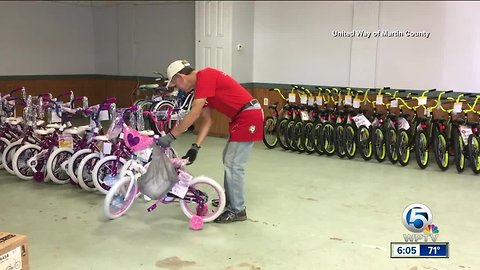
x=151 y=208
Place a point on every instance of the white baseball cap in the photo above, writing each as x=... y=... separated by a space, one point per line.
x=174 y=68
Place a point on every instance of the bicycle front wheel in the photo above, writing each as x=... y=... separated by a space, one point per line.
x=421 y=149
x=403 y=147
x=120 y=197
x=474 y=152
x=364 y=142
x=200 y=195
x=441 y=151
x=270 y=138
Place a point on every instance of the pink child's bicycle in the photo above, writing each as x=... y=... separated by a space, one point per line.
x=198 y=196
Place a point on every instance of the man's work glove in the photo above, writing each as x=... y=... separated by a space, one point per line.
x=166 y=140
x=192 y=153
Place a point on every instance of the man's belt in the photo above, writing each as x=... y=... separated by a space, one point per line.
x=247 y=105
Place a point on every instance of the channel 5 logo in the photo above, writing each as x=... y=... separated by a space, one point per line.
x=418 y=219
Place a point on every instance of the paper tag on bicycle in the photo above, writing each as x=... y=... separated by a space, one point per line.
x=356 y=103
x=174 y=117
x=65 y=141
x=319 y=100
x=311 y=101
x=292 y=97
x=304 y=115
x=144 y=155
x=379 y=100
x=394 y=103
x=465 y=131
x=181 y=187
x=303 y=99
x=55 y=118
x=403 y=123
x=361 y=120
x=422 y=101
x=107 y=148
x=103 y=116
x=428 y=112
x=457 y=107
x=348 y=100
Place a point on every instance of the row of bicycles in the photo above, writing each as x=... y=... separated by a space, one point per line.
x=44 y=146
x=380 y=123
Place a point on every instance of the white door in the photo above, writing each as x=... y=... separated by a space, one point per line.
x=213 y=35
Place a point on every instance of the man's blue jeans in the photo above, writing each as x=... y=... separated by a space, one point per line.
x=235 y=156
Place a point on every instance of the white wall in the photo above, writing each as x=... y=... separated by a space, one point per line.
x=50 y=38
x=39 y=38
x=150 y=37
x=294 y=44
x=242 y=22
x=106 y=40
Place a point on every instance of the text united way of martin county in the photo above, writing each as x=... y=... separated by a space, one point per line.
x=381 y=33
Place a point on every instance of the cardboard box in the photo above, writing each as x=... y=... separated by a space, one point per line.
x=13 y=251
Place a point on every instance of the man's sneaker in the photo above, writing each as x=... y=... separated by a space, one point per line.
x=228 y=217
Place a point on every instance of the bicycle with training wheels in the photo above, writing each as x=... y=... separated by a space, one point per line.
x=198 y=196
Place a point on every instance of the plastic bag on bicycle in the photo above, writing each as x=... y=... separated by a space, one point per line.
x=160 y=177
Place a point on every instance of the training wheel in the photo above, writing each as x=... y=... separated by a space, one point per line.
x=196 y=223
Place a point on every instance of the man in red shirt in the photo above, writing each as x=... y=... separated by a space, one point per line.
x=216 y=90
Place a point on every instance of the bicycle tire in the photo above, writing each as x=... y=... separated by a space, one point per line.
x=184 y=204
x=403 y=147
x=421 y=149
x=269 y=129
x=120 y=206
x=440 y=151
x=458 y=147
x=317 y=130
x=364 y=142
x=54 y=170
x=378 y=144
x=282 y=133
x=350 y=141
x=390 y=144
x=474 y=152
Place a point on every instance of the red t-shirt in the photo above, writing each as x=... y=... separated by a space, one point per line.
x=222 y=92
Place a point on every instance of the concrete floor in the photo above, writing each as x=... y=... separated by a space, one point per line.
x=305 y=212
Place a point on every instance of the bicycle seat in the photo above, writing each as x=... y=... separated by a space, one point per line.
x=72 y=131
x=40 y=122
x=14 y=120
x=392 y=116
x=422 y=119
x=101 y=138
x=44 y=132
x=340 y=112
x=84 y=128
x=459 y=121
x=474 y=124
x=273 y=106
x=377 y=114
x=147 y=133
x=440 y=120
x=54 y=126
x=349 y=110
x=405 y=115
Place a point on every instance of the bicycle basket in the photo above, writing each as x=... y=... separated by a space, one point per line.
x=160 y=177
